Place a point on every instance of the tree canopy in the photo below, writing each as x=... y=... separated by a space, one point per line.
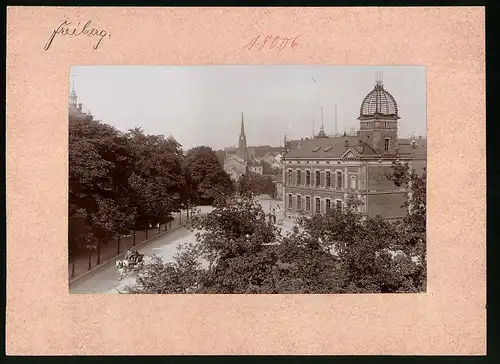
x=119 y=182
x=208 y=178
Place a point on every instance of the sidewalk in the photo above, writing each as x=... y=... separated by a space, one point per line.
x=110 y=249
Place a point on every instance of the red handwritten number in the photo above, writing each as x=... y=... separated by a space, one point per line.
x=283 y=44
x=252 y=42
x=265 y=41
x=274 y=40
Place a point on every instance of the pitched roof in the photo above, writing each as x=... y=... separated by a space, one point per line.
x=335 y=147
x=321 y=147
x=420 y=149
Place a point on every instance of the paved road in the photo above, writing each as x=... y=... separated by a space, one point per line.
x=105 y=279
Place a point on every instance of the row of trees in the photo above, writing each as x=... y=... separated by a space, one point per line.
x=238 y=251
x=123 y=182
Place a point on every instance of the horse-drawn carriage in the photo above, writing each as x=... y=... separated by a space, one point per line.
x=132 y=261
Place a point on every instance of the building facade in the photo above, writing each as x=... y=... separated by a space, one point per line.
x=323 y=172
x=257 y=169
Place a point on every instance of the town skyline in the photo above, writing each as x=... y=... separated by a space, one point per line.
x=203 y=105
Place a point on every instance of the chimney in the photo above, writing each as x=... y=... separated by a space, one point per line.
x=360 y=146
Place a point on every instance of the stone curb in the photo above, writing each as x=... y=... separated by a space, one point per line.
x=121 y=255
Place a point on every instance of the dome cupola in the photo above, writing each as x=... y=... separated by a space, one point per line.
x=379 y=102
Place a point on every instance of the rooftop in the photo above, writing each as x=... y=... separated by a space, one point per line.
x=335 y=147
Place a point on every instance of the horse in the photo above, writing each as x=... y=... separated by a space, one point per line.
x=136 y=264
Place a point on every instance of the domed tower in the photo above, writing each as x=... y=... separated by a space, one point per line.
x=378 y=116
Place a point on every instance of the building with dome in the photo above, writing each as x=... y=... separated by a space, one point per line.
x=321 y=172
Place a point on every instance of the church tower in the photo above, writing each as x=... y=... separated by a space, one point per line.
x=378 y=118
x=242 y=144
x=73 y=99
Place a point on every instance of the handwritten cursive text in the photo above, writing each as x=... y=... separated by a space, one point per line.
x=270 y=42
x=67 y=29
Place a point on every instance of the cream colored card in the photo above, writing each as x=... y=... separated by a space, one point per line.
x=43 y=318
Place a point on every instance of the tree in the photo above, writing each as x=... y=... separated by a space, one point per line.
x=97 y=164
x=267 y=169
x=413 y=226
x=207 y=175
x=221 y=156
x=157 y=180
x=256 y=184
x=118 y=182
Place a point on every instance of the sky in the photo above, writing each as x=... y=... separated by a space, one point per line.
x=202 y=105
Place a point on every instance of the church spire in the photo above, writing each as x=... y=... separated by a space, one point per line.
x=242 y=144
x=73 y=99
x=242 y=132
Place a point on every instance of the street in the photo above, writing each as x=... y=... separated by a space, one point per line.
x=105 y=279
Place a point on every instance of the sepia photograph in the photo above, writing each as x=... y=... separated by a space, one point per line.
x=247 y=179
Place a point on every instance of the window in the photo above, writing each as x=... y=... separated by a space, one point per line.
x=289 y=176
x=338 y=204
x=328 y=203
x=353 y=182
x=290 y=201
x=318 y=179
x=299 y=175
x=386 y=146
x=328 y=179
x=308 y=178
x=339 y=180
x=299 y=203
x=308 y=203
x=318 y=205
